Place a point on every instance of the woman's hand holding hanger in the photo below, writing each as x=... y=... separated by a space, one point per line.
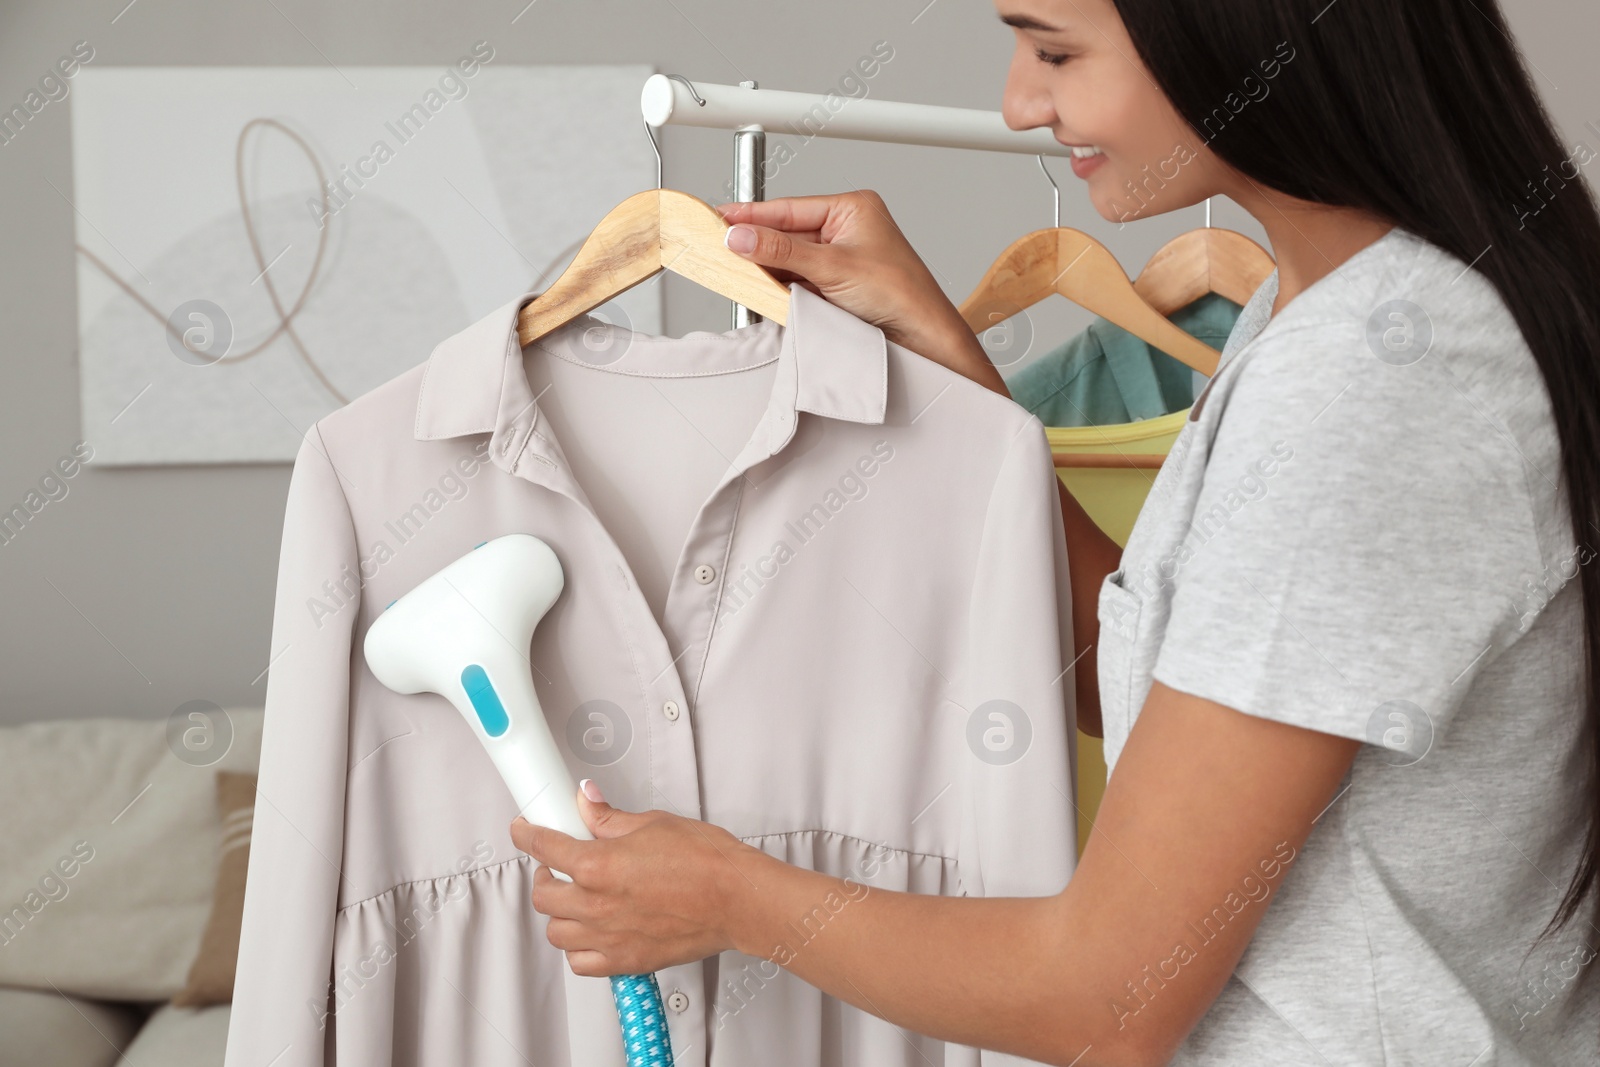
x=847 y=249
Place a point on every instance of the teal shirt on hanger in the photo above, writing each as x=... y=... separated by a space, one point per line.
x=1106 y=375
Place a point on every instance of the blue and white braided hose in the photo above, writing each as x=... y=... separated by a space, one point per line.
x=644 y=1023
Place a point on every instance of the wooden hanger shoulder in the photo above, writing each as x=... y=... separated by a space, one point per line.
x=1238 y=265
x=692 y=245
x=1071 y=263
x=1202 y=261
x=1016 y=280
x=623 y=250
x=651 y=231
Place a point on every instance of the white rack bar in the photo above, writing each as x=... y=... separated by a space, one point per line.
x=669 y=101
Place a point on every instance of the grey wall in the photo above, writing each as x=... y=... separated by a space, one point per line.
x=146 y=588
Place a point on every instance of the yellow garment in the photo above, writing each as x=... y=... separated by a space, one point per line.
x=1112 y=496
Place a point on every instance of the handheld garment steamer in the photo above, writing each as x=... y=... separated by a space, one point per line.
x=464 y=634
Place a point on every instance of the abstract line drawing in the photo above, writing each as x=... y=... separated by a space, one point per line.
x=258 y=246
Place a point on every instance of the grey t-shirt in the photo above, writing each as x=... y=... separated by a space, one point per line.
x=1362 y=530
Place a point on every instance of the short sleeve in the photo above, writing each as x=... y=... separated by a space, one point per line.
x=1359 y=538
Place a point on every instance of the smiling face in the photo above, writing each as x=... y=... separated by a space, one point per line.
x=1076 y=73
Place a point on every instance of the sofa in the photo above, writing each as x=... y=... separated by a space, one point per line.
x=110 y=897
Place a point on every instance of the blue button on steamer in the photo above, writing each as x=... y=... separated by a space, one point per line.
x=485 y=701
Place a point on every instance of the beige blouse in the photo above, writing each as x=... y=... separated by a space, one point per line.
x=853 y=653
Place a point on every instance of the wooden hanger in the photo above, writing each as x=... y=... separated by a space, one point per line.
x=1183 y=270
x=652 y=231
x=1083 y=270
x=1203 y=261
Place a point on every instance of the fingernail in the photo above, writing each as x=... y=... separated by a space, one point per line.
x=741 y=239
x=591 y=790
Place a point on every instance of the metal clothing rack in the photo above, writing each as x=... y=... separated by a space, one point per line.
x=748 y=111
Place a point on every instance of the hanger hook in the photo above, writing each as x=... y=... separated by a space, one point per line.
x=1208 y=213
x=1053 y=186
x=690 y=84
x=655 y=147
x=650 y=131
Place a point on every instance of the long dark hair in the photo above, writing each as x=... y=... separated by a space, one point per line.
x=1420 y=112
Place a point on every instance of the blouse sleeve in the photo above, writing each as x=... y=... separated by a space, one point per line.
x=1360 y=536
x=1014 y=691
x=281 y=989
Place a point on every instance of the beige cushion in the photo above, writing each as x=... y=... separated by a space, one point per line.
x=110 y=847
x=47 y=1029
x=183 y=1037
x=211 y=974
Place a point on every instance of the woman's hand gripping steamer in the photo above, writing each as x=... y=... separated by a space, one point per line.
x=464 y=633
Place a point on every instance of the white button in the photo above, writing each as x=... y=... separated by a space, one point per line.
x=705 y=573
x=678 y=1000
x=670 y=710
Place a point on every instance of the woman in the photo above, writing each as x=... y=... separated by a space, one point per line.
x=1346 y=664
